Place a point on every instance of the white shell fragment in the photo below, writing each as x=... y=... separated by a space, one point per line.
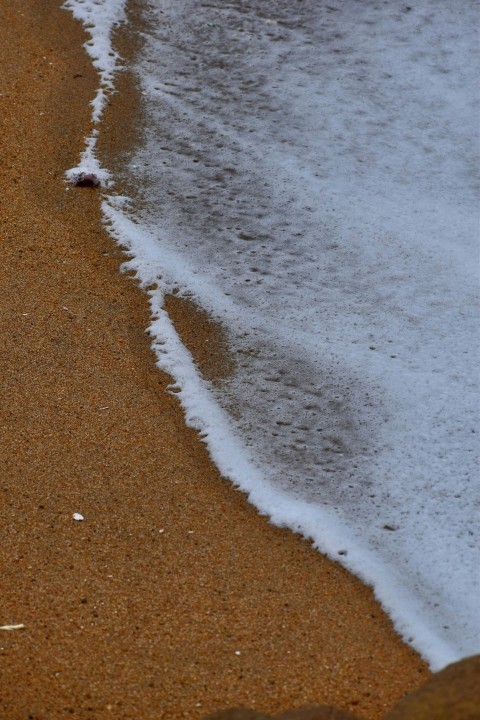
x=77 y=516
x=12 y=627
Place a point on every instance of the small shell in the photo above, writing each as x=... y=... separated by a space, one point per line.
x=12 y=627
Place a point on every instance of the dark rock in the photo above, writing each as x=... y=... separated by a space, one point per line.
x=451 y=694
x=238 y=714
x=86 y=180
x=317 y=712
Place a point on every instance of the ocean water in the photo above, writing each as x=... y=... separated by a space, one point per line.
x=309 y=176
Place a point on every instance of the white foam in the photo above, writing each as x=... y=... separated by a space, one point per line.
x=329 y=533
x=100 y=18
x=308 y=178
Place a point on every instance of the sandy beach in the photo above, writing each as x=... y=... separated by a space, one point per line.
x=173 y=597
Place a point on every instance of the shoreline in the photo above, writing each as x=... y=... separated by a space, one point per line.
x=173 y=598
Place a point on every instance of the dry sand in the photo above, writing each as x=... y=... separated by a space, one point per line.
x=173 y=597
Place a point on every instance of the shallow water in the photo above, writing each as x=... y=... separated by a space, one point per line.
x=309 y=176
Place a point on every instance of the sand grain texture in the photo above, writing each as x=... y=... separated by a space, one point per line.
x=139 y=610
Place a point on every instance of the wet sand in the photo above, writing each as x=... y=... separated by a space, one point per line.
x=173 y=597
